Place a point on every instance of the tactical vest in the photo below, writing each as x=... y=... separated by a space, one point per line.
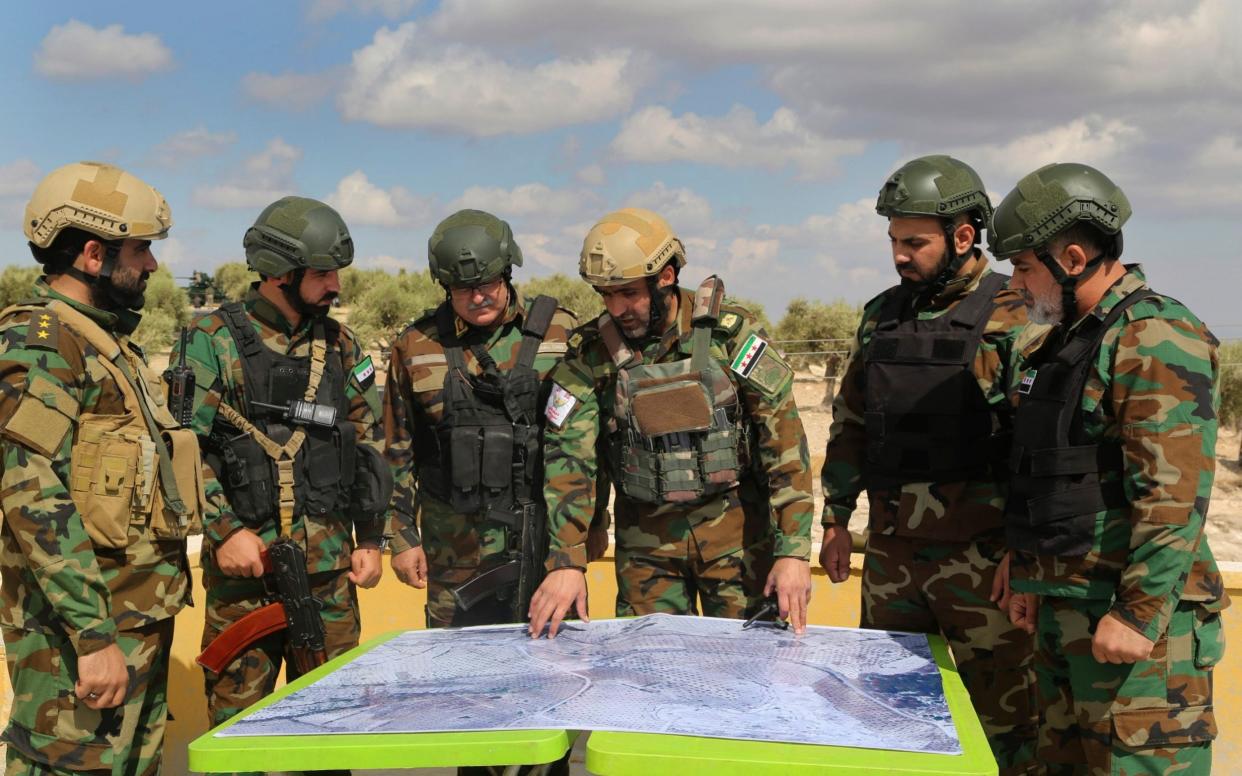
x=678 y=435
x=927 y=419
x=1055 y=490
x=482 y=457
x=313 y=473
x=136 y=470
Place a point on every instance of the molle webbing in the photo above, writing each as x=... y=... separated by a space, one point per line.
x=115 y=353
x=249 y=346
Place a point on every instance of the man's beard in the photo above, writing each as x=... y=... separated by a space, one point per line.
x=125 y=288
x=293 y=293
x=1045 y=309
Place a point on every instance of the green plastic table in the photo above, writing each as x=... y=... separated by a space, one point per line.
x=648 y=754
x=209 y=754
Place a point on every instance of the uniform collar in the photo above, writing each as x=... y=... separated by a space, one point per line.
x=266 y=313
x=964 y=281
x=1132 y=281
x=513 y=312
x=121 y=321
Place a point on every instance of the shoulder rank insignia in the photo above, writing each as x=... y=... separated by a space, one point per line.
x=43 y=330
x=729 y=322
x=575 y=339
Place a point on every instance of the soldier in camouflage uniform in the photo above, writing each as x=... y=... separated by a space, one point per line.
x=251 y=359
x=484 y=323
x=692 y=409
x=922 y=421
x=100 y=487
x=1112 y=469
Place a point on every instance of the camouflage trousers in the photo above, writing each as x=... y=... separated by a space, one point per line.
x=1153 y=716
x=729 y=586
x=252 y=675
x=51 y=732
x=927 y=587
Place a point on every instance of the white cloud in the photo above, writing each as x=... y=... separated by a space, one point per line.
x=322 y=10
x=361 y=202
x=1090 y=139
x=75 y=50
x=190 y=144
x=591 y=175
x=290 y=91
x=736 y=139
x=748 y=254
x=390 y=263
x=686 y=211
x=529 y=199
x=402 y=80
x=19 y=178
x=260 y=180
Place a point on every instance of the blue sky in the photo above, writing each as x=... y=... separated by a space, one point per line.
x=761 y=131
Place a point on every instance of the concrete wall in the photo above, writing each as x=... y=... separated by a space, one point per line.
x=393 y=606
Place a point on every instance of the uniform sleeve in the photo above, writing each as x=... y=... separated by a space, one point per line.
x=364 y=413
x=841 y=474
x=203 y=354
x=1164 y=395
x=39 y=514
x=399 y=451
x=569 y=447
x=780 y=441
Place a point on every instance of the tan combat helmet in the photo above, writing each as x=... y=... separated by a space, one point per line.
x=96 y=198
x=627 y=245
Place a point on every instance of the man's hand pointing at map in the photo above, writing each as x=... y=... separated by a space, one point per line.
x=561 y=589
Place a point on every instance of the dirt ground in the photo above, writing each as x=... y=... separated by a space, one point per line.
x=1224 y=526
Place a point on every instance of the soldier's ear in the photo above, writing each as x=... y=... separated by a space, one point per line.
x=91 y=259
x=1074 y=259
x=668 y=275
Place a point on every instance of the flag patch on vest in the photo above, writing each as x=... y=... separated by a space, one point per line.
x=752 y=350
x=560 y=404
x=1028 y=380
x=364 y=372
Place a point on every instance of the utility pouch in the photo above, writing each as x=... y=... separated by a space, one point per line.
x=373 y=483
x=105 y=473
x=251 y=477
x=465 y=457
x=165 y=524
x=497 y=459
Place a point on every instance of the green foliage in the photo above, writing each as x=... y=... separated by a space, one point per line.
x=389 y=303
x=573 y=293
x=1231 y=383
x=167 y=309
x=17 y=284
x=234 y=279
x=355 y=283
x=830 y=326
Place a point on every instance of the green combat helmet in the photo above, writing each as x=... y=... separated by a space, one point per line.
x=296 y=233
x=941 y=187
x=1047 y=202
x=470 y=248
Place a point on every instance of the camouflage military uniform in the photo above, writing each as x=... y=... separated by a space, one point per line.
x=68 y=589
x=934 y=547
x=456 y=545
x=1150 y=389
x=328 y=539
x=669 y=555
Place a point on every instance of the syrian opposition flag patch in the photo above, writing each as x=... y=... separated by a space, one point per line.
x=365 y=373
x=752 y=350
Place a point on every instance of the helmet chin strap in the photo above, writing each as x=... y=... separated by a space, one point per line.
x=293 y=295
x=659 y=305
x=101 y=284
x=1069 y=283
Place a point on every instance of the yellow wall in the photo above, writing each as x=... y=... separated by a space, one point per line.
x=393 y=606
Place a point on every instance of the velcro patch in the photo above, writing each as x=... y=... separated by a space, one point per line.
x=749 y=355
x=560 y=404
x=364 y=372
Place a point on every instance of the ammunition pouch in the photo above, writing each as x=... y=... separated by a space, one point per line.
x=678 y=436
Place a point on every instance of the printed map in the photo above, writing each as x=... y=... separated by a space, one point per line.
x=655 y=674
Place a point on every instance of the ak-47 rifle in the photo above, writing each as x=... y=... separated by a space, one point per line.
x=293 y=608
x=514 y=574
x=180 y=379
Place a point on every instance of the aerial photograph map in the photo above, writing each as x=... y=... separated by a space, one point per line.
x=655 y=674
